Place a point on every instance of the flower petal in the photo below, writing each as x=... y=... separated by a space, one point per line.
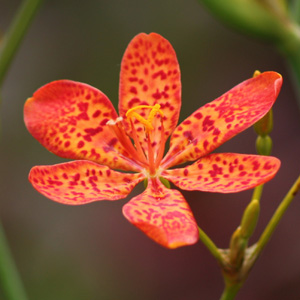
x=69 y=119
x=150 y=75
x=218 y=121
x=224 y=173
x=163 y=215
x=81 y=181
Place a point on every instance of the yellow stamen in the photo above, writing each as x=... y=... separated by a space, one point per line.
x=146 y=122
x=256 y=73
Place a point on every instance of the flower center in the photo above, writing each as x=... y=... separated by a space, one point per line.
x=147 y=155
x=153 y=162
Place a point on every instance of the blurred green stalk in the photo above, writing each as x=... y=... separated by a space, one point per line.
x=10 y=280
x=15 y=34
x=266 y=235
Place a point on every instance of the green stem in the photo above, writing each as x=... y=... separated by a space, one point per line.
x=230 y=291
x=9 y=277
x=10 y=280
x=294 y=10
x=257 y=192
x=294 y=68
x=266 y=235
x=15 y=34
x=210 y=245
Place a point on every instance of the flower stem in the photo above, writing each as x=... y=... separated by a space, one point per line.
x=210 y=245
x=266 y=235
x=15 y=34
x=9 y=277
x=257 y=192
x=230 y=291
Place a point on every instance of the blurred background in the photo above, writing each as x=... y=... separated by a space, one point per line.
x=92 y=252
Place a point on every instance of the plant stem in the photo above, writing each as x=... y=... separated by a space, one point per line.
x=15 y=34
x=210 y=245
x=257 y=192
x=10 y=279
x=294 y=67
x=230 y=291
x=266 y=235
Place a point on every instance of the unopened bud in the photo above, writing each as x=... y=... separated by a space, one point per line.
x=264 y=145
x=249 y=220
x=237 y=248
x=256 y=73
x=265 y=125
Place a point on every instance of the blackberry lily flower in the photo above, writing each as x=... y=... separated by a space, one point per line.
x=77 y=121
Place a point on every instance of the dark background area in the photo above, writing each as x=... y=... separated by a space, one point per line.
x=92 y=251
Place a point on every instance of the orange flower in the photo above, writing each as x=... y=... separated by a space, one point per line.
x=77 y=121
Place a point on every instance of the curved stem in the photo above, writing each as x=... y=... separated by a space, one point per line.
x=266 y=235
x=210 y=245
x=15 y=34
x=9 y=277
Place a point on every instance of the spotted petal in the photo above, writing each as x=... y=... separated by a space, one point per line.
x=164 y=215
x=69 y=119
x=150 y=75
x=80 y=182
x=224 y=173
x=218 y=121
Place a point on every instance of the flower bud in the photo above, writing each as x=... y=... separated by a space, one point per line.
x=265 y=125
x=249 y=219
x=264 y=145
x=237 y=248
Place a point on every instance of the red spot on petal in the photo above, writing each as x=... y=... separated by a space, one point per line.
x=188 y=135
x=133 y=102
x=198 y=115
x=96 y=113
x=112 y=142
x=156 y=95
x=76 y=177
x=133 y=90
x=216 y=131
x=133 y=79
x=187 y=122
x=83 y=106
x=160 y=73
x=267 y=166
x=103 y=122
x=205 y=144
x=80 y=144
